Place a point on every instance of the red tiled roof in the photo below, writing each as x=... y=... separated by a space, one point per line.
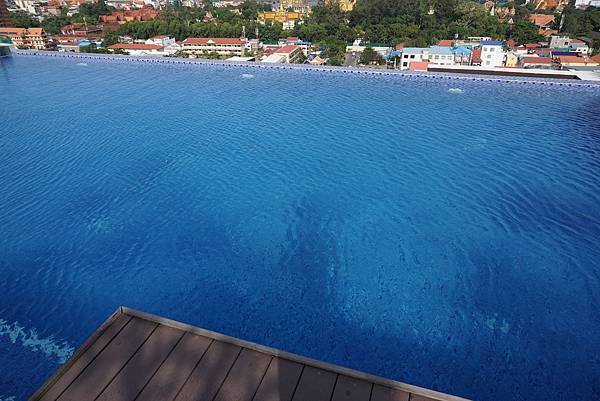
x=217 y=41
x=445 y=42
x=134 y=46
x=541 y=20
x=418 y=66
x=286 y=49
x=537 y=60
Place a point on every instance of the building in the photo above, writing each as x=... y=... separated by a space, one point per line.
x=587 y=3
x=31 y=38
x=4 y=15
x=438 y=55
x=564 y=43
x=557 y=5
x=81 y=30
x=143 y=14
x=544 y=22
x=285 y=54
x=196 y=47
x=138 y=49
x=537 y=62
x=492 y=54
x=575 y=61
x=161 y=40
x=305 y=46
x=289 y=19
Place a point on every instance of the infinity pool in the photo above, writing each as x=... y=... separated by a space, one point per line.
x=441 y=232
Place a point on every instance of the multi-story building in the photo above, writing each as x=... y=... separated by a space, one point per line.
x=285 y=54
x=565 y=43
x=289 y=19
x=196 y=47
x=492 y=54
x=440 y=55
x=31 y=38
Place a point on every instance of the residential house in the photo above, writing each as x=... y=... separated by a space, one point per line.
x=544 y=22
x=565 y=43
x=196 y=47
x=537 y=62
x=285 y=54
x=576 y=61
x=439 y=55
x=492 y=54
x=305 y=46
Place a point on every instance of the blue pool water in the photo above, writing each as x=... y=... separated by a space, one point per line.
x=448 y=239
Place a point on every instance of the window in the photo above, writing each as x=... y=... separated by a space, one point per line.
x=405 y=64
x=412 y=56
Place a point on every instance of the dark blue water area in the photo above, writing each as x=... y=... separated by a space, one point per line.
x=444 y=238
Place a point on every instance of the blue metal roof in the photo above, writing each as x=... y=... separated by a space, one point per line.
x=461 y=50
x=492 y=43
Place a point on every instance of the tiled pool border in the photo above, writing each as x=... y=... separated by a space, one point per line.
x=305 y=67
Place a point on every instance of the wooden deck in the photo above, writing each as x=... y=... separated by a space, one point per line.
x=137 y=356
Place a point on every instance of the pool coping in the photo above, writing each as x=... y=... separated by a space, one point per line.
x=430 y=395
x=307 y=67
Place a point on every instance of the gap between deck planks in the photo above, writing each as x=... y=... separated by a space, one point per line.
x=135 y=356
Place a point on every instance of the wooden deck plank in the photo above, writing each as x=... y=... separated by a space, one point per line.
x=351 y=389
x=244 y=377
x=138 y=371
x=173 y=373
x=315 y=385
x=280 y=381
x=101 y=370
x=207 y=377
x=416 y=397
x=382 y=393
x=85 y=359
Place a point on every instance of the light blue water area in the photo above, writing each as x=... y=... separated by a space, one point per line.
x=445 y=239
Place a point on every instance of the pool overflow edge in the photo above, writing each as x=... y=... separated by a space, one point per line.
x=304 y=67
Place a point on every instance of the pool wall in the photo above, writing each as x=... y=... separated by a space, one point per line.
x=305 y=67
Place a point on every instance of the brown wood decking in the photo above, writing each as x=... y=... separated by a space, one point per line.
x=137 y=356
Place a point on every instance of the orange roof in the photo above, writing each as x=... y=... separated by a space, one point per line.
x=135 y=46
x=418 y=66
x=537 y=60
x=541 y=20
x=571 y=60
x=216 y=41
x=445 y=42
x=12 y=31
x=286 y=49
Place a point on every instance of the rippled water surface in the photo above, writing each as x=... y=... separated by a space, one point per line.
x=445 y=238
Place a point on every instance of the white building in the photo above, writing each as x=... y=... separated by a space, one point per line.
x=286 y=54
x=139 y=49
x=439 y=55
x=492 y=53
x=222 y=46
x=587 y=3
x=161 y=40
